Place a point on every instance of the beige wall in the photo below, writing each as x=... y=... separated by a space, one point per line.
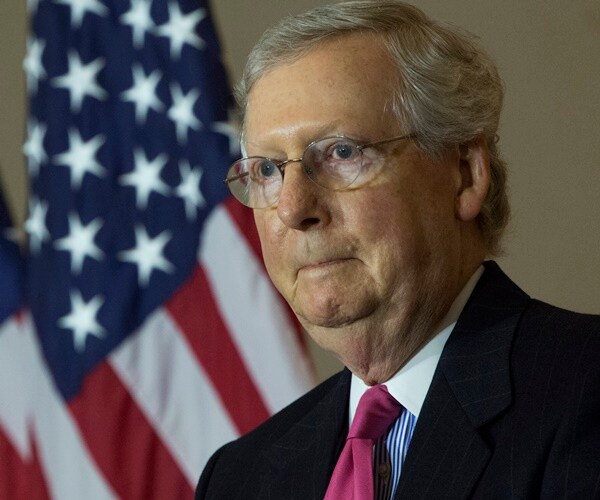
x=12 y=105
x=549 y=56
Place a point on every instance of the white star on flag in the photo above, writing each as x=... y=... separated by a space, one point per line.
x=80 y=158
x=147 y=254
x=140 y=20
x=80 y=80
x=181 y=29
x=189 y=189
x=80 y=7
x=32 y=64
x=182 y=111
x=82 y=319
x=230 y=129
x=143 y=93
x=146 y=177
x=35 y=225
x=80 y=241
x=34 y=146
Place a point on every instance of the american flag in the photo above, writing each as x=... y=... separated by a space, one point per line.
x=150 y=333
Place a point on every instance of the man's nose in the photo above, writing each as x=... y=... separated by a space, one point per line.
x=302 y=203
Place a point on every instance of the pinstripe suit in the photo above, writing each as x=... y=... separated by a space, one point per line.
x=513 y=411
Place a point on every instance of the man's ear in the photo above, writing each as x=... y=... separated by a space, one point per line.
x=474 y=168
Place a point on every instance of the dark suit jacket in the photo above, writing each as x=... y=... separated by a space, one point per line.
x=513 y=411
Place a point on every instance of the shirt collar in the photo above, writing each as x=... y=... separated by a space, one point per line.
x=410 y=384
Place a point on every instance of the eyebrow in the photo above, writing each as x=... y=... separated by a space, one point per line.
x=329 y=129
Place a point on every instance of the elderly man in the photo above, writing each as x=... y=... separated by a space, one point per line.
x=378 y=192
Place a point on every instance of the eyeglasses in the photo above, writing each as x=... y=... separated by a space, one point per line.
x=333 y=163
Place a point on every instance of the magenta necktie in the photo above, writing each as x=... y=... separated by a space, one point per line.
x=352 y=478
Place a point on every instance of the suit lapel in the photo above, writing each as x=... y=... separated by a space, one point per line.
x=446 y=453
x=470 y=387
x=303 y=459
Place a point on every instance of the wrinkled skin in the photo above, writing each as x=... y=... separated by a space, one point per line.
x=369 y=271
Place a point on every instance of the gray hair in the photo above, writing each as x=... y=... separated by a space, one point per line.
x=448 y=90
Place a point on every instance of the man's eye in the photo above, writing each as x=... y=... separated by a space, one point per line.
x=266 y=168
x=343 y=151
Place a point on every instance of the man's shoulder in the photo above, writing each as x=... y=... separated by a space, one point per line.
x=497 y=298
x=572 y=335
x=233 y=470
x=545 y=313
x=556 y=365
x=278 y=424
x=543 y=332
x=520 y=345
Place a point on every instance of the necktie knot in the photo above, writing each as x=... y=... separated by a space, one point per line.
x=376 y=411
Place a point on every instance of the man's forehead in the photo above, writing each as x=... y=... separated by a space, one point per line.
x=340 y=82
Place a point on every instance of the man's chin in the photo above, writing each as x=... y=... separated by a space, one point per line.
x=332 y=318
x=334 y=302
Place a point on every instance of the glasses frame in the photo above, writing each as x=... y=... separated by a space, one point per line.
x=282 y=164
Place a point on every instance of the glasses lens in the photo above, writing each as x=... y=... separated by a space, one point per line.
x=333 y=163
x=255 y=182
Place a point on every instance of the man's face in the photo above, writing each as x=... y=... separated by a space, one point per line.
x=362 y=267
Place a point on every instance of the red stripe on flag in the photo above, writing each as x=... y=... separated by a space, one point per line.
x=20 y=479
x=244 y=219
x=122 y=441
x=195 y=311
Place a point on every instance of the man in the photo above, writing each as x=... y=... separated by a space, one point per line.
x=378 y=192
